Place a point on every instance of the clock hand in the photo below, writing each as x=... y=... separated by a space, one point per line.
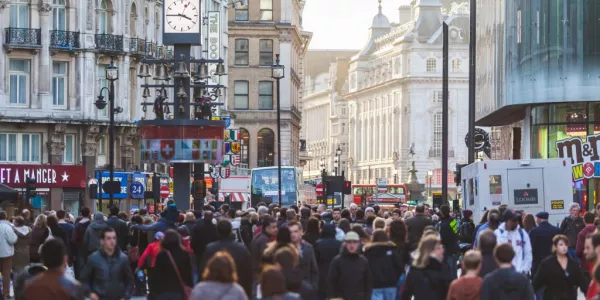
x=184 y=16
x=173 y=15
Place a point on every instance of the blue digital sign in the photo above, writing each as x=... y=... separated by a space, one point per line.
x=119 y=176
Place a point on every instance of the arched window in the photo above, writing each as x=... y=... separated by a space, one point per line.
x=266 y=143
x=431 y=65
x=245 y=151
x=132 y=20
x=19 y=14
x=59 y=15
x=103 y=25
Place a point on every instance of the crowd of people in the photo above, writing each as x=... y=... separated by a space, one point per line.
x=306 y=252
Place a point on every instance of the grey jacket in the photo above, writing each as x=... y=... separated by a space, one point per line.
x=109 y=277
x=91 y=239
x=218 y=290
x=308 y=265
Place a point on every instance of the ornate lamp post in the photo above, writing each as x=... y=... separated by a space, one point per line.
x=278 y=73
x=338 y=157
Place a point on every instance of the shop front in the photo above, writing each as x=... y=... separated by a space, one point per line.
x=571 y=131
x=57 y=186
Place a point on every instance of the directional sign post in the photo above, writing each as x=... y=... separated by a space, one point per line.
x=136 y=190
x=164 y=191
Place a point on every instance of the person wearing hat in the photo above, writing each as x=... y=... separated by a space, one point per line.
x=510 y=232
x=541 y=239
x=349 y=275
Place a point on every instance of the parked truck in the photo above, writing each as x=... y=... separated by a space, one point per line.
x=531 y=186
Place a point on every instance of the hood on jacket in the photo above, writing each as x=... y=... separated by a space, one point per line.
x=98 y=216
x=328 y=231
x=22 y=231
x=98 y=225
x=380 y=247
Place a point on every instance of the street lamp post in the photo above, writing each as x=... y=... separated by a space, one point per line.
x=278 y=73
x=338 y=157
x=112 y=75
x=429 y=183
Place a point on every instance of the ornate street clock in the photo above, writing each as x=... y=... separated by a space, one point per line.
x=182 y=22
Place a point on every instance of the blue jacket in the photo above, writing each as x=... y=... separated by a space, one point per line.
x=171 y=213
x=161 y=225
x=109 y=277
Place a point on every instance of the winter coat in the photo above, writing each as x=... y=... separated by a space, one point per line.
x=465 y=288
x=169 y=282
x=541 y=243
x=109 y=277
x=91 y=239
x=488 y=263
x=506 y=283
x=520 y=243
x=170 y=214
x=308 y=265
x=121 y=229
x=414 y=227
x=296 y=284
x=240 y=255
x=53 y=285
x=21 y=258
x=218 y=290
x=311 y=238
x=204 y=234
x=326 y=249
x=429 y=283
x=190 y=227
x=78 y=236
x=148 y=257
x=161 y=225
x=558 y=284
x=7 y=239
x=385 y=263
x=246 y=232
x=571 y=229
x=449 y=235
x=259 y=244
x=585 y=264
x=349 y=277
x=38 y=237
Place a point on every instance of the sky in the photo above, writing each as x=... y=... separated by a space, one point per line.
x=344 y=24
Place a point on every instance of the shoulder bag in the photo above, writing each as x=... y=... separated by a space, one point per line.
x=187 y=291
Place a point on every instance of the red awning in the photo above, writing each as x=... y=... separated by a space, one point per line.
x=235 y=197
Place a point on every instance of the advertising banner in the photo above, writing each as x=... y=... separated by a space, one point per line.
x=46 y=176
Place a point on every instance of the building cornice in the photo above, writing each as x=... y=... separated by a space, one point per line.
x=406 y=80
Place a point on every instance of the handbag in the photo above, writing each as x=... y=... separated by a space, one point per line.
x=133 y=254
x=187 y=291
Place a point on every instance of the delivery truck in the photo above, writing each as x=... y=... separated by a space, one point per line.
x=531 y=186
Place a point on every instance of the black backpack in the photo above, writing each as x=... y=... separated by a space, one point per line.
x=466 y=232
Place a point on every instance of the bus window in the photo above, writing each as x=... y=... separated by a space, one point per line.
x=358 y=191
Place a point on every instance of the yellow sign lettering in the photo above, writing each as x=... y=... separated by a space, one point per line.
x=577 y=172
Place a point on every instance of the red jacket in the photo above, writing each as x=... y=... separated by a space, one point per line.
x=585 y=265
x=592 y=291
x=186 y=244
x=152 y=250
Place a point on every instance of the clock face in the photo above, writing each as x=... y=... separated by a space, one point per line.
x=181 y=16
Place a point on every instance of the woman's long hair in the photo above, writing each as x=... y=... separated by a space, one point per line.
x=220 y=268
x=41 y=222
x=422 y=255
x=529 y=222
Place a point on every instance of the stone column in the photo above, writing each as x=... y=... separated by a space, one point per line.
x=56 y=147
x=128 y=135
x=89 y=146
x=4 y=22
x=44 y=86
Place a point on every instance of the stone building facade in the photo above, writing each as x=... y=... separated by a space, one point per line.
x=258 y=32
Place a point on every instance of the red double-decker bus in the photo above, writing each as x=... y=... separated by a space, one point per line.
x=396 y=193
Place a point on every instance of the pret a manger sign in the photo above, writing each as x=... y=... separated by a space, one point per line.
x=583 y=155
x=45 y=175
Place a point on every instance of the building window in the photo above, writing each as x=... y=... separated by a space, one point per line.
x=265 y=95
x=266 y=53
x=25 y=144
x=240 y=94
x=456 y=65
x=437 y=135
x=59 y=84
x=438 y=96
x=103 y=22
x=241 y=52
x=266 y=143
x=59 y=15
x=102 y=146
x=266 y=10
x=19 y=14
x=519 y=26
x=69 y=153
x=245 y=148
x=102 y=82
x=241 y=14
x=431 y=65
x=19 y=81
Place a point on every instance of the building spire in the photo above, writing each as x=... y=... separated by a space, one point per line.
x=380 y=7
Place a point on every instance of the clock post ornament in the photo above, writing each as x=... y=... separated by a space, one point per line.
x=184 y=132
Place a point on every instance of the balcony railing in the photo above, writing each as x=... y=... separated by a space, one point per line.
x=109 y=42
x=150 y=50
x=137 y=46
x=68 y=40
x=23 y=37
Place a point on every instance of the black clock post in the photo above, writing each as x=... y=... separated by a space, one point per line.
x=181 y=136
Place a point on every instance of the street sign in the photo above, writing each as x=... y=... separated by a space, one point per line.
x=381 y=185
x=164 y=191
x=136 y=189
x=319 y=189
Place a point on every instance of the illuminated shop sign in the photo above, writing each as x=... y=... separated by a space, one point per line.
x=584 y=156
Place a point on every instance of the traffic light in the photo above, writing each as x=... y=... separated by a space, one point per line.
x=199 y=189
x=347 y=187
x=30 y=188
x=457 y=174
x=156 y=187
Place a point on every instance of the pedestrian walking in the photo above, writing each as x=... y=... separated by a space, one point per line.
x=77 y=239
x=386 y=266
x=21 y=257
x=559 y=275
x=8 y=238
x=588 y=219
x=326 y=249
x=510 y=232
x=205 y=232
x=287 y=259
x=529 y=223
x=487 y=244
x=67 y=230
x=174 y=266
x=312 y=231
x=107 y=274
x=415 y=226
x=40 y=233
x=119 y=226
x=219 y=279
x=349 y=275
x=506 y=282
x=449 y=235
x=93 y=234
x=307 y=264
x=259 y=243
x=428 y=278
x=273 y=285
x=147 y=261
x=52 y=283
x=237 y=251
x=571 y=225
x=542 y=240
x=468 y=286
